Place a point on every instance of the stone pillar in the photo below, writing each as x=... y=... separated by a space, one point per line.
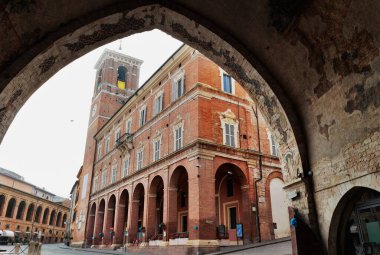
x=132 y=228
x=90 y=228
x=170 y=215
x=106 y=225
x=151 y=216
x=145 y=214
x=119 y=224
x=246 y=214
x=99 y=220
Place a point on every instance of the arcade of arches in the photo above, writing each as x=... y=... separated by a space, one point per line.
x=159 y=207
x=312 y=66
x=26 y=214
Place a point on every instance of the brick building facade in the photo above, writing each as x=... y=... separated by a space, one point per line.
x=180 y=162
x=31 y=212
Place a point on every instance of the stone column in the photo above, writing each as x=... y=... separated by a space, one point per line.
x=151 y=216
x=119 y=223
x=132 y=228
x=170 y=215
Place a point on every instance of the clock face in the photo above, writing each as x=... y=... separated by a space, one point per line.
x=93 y=111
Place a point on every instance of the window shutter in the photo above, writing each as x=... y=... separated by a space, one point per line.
x=155 y=107
x=183 y=85
x=174 y=91
x=232 y=130
x=162 y=102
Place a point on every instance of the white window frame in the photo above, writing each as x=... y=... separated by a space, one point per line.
x=128 y=126
x=157 y=154
x=222 y=72
x=158 y=103
x=117 y=135
x=143 y=118
x=99 y=151
x=272 y=145
x=113 y=173
x=228 y=117
x=104 y=178
x=179 y=76
x=126 y=163
x=95 y=187
x=229 y=137
x=178 y=142
x=139 y=158
x=107 y=145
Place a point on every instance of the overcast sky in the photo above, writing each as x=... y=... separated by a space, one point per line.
x=45 y=143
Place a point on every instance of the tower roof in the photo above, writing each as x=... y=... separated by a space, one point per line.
x=107 y=53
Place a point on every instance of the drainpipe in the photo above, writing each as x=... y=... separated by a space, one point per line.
x=261 y=175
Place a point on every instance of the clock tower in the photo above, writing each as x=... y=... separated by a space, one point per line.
x=117 y=78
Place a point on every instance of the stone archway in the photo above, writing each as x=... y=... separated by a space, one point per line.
x=119 y=24
x=155 y=209
x=91 y=224
x=29 y=214
x=137 y=227
x=232 y=203
x=353 y=227
x=122 y=217
x=178 y=199
x=110 y=220
x=2 y=204
x=99 y=232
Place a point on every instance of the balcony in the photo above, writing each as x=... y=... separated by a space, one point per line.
x=125 y=142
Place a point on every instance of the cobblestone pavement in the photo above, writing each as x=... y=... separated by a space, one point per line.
x=283 y=248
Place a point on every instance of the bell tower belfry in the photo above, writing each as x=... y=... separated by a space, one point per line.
x=117 y=78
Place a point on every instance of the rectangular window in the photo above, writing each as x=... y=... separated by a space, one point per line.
x=113 y=173
x=125 y=167
x=142 y=116
x=274 y=151
x=229 y=130
x=128 y=128
x=178 y=138
x=107 y=145
x=104 y=178
x=99 y=151
x=230 y=188
x=158 y=105
x=117 y=136
x=95 y=188
x=178 y=89
x=227 y=85
x=140 y=155
x=157 y=144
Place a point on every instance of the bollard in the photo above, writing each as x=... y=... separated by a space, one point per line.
x=38 y=248
x=31 y=248
x=17 y=248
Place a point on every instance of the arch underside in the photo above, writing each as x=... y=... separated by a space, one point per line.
x=120 y=24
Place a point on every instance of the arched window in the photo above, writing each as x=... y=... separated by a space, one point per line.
x=64 y=219
x=20 y=211
x=29 y=213
x=2 y=203
x=10 y=208
x=37 y=216
x=45 y=217
x=52 y=218
x=121 y=77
